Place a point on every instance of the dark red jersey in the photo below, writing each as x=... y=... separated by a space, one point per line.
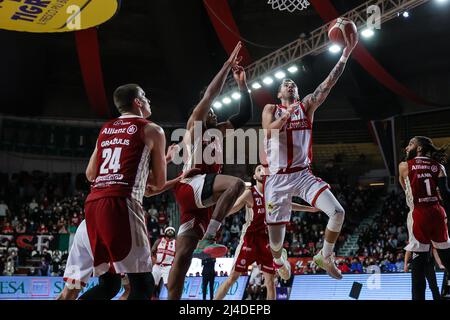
x=123 y=159
x=422 y=182
x=255 y=218
x=205 y=153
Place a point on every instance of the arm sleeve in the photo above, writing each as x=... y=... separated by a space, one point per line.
x=245 y=110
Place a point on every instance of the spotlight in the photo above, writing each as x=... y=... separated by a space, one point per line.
x=217 y=105
x=405 y=14
x=293 y=69
x=367 y=33
x=226 y=100
x=280 y=75
x=268 y=80
x=334 y=48
x=256 y=85
x=441 y=1
x=236 y=95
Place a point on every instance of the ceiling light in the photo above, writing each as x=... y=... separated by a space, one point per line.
x=334 y=48
x=256 y=85
x=268 y=80
x=280 y=75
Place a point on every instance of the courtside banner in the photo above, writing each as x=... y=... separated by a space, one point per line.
x=37 y=288
x=55 y=15
x=193 y=289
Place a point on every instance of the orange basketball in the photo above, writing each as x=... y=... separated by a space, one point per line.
x=340 y=30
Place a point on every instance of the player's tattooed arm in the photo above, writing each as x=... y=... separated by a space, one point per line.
x=214 y=88
x=245 y=199
x=315 y=99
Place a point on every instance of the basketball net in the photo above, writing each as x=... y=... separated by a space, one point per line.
x=289 y=5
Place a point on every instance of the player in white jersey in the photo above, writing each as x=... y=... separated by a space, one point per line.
x=164 y=249
x=289 y=153
x=254 y=242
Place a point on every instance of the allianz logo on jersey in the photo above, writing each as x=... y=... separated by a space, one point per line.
x=130 y=130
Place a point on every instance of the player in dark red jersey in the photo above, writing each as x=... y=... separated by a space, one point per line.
x=254 y=243
x=422 y=175
x=126 y=150
x=197 y=195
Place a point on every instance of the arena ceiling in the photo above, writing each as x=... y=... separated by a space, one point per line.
x=171 y=49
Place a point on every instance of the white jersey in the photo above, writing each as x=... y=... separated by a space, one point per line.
x=165 y=252
x=292 y=148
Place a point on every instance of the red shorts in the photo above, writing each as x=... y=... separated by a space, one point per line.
x=254 y=247
x=118 y=236
x=427 y=225
x=194 y=214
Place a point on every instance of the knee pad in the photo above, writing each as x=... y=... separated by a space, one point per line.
x=336 y=220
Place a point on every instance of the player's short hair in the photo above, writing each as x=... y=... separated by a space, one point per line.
x=124 y=96
x=283 y=81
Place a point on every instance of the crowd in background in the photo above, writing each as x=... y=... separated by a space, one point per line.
x=48 y=204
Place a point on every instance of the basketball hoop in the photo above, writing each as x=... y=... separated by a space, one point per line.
x=289 y=5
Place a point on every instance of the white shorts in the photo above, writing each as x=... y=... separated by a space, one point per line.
x=160 y=271
x=280 y=188
x=80 y=263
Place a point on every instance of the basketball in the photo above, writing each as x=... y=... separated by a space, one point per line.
x=340 y=30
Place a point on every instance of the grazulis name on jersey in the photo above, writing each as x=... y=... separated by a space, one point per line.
x=115 y=141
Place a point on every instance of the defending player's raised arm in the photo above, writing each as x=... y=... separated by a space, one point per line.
x=245 y=199
x=299 y=207
x=214 y=88
x=91 y=169
x=315 y=99
x=402 y=173
x=156 y=142
x=245 y=103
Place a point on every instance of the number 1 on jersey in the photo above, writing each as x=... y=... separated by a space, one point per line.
x=428 y=186
x=112 y=160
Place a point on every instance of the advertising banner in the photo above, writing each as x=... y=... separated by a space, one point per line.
x=36 y=288
x=55 y=15
x=193 y=289
x=376 y=286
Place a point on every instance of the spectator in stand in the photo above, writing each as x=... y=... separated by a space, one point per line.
x=63 y=229
x=343 y=266
x=356 y=266
x=152 y=211
x=3 y=210
x=21 y=229
x=234 y=230
x=42 y=229
x=153 y=229
x=7 y=228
